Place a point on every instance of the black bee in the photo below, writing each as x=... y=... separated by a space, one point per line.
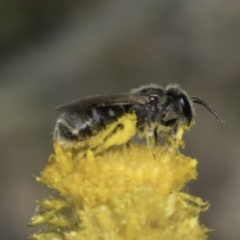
x=98 y=122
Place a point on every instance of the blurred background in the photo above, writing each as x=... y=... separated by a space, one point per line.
x=52 y=52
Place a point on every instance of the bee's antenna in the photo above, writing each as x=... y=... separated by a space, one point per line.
x=207 y=105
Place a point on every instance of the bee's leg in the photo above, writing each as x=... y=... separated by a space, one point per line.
x=152 y=139
x=171 y=136
x=151 y=136
x=155 y=137
x=174 y=138
x=178 y=137
x=104 y=144
x=175 y=132
x=179 y=133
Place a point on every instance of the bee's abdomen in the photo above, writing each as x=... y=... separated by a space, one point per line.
x=78 y=126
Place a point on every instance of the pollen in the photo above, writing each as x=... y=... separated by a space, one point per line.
x=123 y=194
x=117 y=133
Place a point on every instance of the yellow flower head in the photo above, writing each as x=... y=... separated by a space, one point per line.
x=122 y=194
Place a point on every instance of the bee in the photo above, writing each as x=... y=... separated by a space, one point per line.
x=99 y=122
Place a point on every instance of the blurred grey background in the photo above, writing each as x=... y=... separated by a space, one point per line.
x=52 y=52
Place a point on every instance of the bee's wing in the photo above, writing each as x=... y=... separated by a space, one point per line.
x=103 y=101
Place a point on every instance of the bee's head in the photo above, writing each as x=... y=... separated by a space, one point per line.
x=178 y=106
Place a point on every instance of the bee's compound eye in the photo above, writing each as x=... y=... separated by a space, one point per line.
x=186 y=107
x=184 y=102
